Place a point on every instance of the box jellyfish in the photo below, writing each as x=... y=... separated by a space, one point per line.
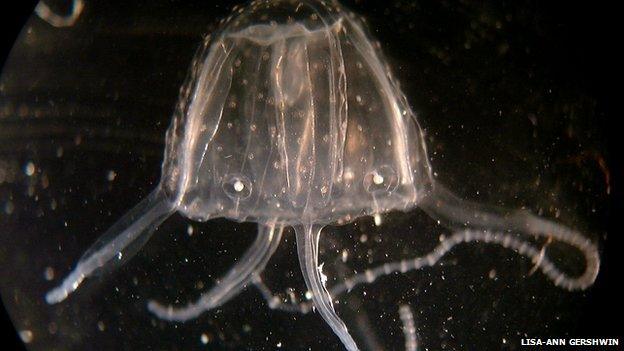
x=290 y=116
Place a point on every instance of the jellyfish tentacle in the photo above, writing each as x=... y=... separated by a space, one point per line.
x=545 y=228
x=457 y=213
x=118 y=244
x=409 y=327
x=307 y=249
x=506 y=240
x=237 y=279
x=58 y=20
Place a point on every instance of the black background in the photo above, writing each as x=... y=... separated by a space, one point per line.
x=587 y=37
x=12 y=19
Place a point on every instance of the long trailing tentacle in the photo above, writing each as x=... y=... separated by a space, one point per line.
x=478 y=223
x=118 y=244
x=506 y=240
x=307 y=249
x=496 y=224
x=237 y=279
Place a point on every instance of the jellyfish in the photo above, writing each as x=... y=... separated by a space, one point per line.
x=291 y=117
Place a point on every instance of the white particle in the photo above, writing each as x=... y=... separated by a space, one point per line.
x=345 y=255
x=111 y=175
x=204 y=339
x=29 y=169
x=48 y=273
x=189 y=230
x=323 y=276
x=348 y=175
x=377 y=218
x=26 y=336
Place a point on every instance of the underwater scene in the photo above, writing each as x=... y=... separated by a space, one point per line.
x=303 y=175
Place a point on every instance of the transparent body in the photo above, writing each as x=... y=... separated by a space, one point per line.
x=291 y=117
x=321 y=130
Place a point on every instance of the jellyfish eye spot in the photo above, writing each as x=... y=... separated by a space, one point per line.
x=378 y=179
x=237 y=187
x=381 y=180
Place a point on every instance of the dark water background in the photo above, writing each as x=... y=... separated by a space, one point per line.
x=516 y=99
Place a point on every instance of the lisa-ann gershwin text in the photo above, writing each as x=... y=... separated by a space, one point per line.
x=570 y=342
